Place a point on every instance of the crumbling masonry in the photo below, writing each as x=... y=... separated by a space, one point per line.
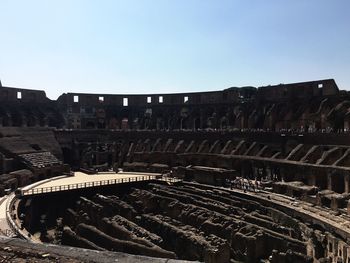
x=291 y=138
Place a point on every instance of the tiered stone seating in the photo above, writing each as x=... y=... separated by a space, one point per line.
x=40 y=159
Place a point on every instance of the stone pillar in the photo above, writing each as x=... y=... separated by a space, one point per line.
x=348 y=207
x=114 y=154
x=346 y=183
x=329 y=182
x=91 y=157
x=2 y=157
x=97 y=154
x=202 y=119
x=267 y=172
x=280 y=173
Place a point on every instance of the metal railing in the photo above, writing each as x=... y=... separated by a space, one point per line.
x=68 y=187
x=14 y=229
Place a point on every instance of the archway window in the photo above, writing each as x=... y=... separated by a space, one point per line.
x=125 y=102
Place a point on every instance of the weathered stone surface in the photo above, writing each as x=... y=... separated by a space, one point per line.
x=110 y=243
x=288 y=139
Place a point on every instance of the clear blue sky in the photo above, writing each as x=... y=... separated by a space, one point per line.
x=156 y=46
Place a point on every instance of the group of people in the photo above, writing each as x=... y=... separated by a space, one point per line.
x=246 y=184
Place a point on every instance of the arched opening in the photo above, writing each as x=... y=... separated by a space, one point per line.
x=6 y=121
x=90 y=125
x=197 y=123
x=101 y=124
x=320 y=179
x=67 y=155
x=337 y=182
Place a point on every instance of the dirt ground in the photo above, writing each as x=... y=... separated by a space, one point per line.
x=15 y=254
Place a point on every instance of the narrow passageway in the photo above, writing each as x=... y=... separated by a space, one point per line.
x=5 y=229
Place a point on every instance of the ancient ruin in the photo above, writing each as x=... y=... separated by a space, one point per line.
x=244 y=174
